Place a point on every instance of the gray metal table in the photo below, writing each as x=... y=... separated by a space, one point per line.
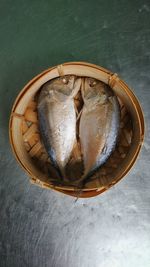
x=42 y=228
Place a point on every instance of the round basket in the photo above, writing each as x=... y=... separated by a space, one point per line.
x=29 y=150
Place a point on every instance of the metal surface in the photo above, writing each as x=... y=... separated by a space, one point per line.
x=43 y=228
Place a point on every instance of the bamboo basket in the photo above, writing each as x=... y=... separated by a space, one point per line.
x=29 y=150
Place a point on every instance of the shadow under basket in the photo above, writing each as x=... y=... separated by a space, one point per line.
x=30 y=152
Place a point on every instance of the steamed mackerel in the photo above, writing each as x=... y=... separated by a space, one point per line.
x=99 y=124
x=57 y=119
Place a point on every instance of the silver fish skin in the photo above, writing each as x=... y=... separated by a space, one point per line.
x=57 y=119
x=99 y=125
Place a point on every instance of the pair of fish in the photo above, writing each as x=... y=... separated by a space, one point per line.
x=99 y=122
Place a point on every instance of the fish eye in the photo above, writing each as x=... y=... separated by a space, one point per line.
x=64 y=80
x=92 y=83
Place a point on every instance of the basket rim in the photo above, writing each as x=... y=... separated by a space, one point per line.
x=123 y=85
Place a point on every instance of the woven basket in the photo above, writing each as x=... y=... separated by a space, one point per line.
x=29 y=150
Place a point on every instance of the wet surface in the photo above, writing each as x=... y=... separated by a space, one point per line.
x=43 y=228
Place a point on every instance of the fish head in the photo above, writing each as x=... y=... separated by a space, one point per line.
x=68 y=85
x=62 y=88
x=46 y=94
x=95 y=92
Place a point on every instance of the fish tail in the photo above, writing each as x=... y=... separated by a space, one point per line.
x=85 y=178
x=57 y=169
x=81 y=182
x=63 y=174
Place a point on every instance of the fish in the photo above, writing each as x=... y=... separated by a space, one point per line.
x=57 y=119
x=99 y=125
